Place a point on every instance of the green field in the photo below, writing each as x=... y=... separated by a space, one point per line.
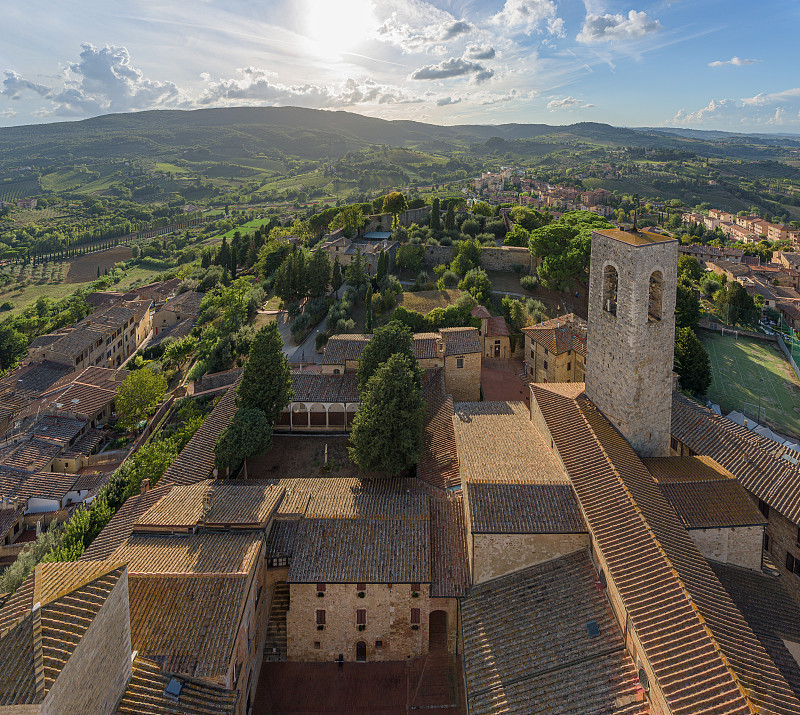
x=748 y=374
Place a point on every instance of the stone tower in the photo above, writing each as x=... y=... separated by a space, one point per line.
x=631 y=334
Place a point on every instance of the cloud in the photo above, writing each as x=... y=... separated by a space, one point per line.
x=453 y=67
x=735 y=61
x=446 y=101
x=13 y=86
x=456 y=29
x=477 y=52
x=606 y=28
x=788 y=95
x=528 y=16
x=568 y=103
x=104 y=80
x=420 y=27
x=8 y=114
x=777 y=108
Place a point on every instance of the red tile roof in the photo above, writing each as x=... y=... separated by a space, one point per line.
x=496 y=327
x=559 y=335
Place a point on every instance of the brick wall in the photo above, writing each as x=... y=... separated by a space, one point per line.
x=388 y=620
x=740 y=546
x=97 y=672
x=463 y=383
x=496 y=555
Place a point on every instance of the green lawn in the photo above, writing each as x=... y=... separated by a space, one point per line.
x=748 y=374
x=23 y=297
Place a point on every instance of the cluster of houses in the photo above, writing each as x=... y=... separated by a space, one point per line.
x=21 y=203
x=611 y=547
x=743 y=229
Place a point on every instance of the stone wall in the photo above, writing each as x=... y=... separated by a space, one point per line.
x=629 y=375
x=740 y=546
x=783 y=539
x=496 y=555
x=94 y=677
x=388 y=619
x=463 y=383
x=493 y=258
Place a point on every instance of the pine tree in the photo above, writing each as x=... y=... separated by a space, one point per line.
x=266 y=384
x=336 y=276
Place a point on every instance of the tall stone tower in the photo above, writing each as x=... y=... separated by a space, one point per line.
x=631 y=334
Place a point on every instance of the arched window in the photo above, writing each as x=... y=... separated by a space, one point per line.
x=656 y=292
x=610 y=290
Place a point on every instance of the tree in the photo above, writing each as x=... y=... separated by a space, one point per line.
x=291 y=278
x=138 y=395
x=436 y=216
x=336 y=276
x=248 y=435
x=266 y=384
x=689 y=267
x=687 y=306
x=517 y=236
x=477 y=283
x=410 y=256
x=383 y=266
x=468 y=256
x=13 y=346
x=391 y=339
x=691 y=361
x=387 y=429
x=471 y=227
x=351 y=219
x=223 y=257
x=368 y=300
x=450 y=218
x=394 y=203
x=98 y=271
x=319 y=273
x=482 y=208
x=734 y=304
x=529 y=219
x=355 y=272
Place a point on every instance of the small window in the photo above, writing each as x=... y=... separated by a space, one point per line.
x=415 y=616
x=545 y=364
x=656 y=291
x=361 y=616
x=673 y=443
x=320 y=617
x=361 y=587
x=790 y=561
x=766 y=543
x=763 y=507
x=415 y=587
x=336 y=371
x=317 y=645
x=321 y=587
x=610 y=290
x=569 y=366
x=532 y=357
x=497 y=342
x=546 y=352
x=379 y=645
x=460 y=362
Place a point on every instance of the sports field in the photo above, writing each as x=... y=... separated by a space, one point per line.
x=754 y=377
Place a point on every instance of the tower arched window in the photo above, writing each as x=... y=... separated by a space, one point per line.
x=656 y=296
x=610 y=290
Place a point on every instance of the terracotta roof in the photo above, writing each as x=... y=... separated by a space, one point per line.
x=765 y=468
x=188 y=621
x=560 y=335
x=497 y=442
x=341 y=348
x=634 y=238
x=196 y=460
x=426 y=346
x=281 y=539
x=145 y=693
x=188 y=303
x=528 y=648
x=438 y=463
x=35 y=378
x=317 y=387
x=8 y=519
x=496 y=327
x=449 y=556
x=459 y=341
x=690 y=629
x=524 y=509
x=31 y=455
x=480 y=312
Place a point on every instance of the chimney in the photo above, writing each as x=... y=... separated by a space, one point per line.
x=145 y=487
x=206 y=505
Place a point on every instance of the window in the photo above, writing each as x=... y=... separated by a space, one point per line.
x=336 y=371
x=656 y=291
x=361 y=587
x=379 y=645
x=361 y=616
x=497 y=342
x=763 y=507
x=545 y=364
x=460 y=362
x=415 y=616
x=317 y=645
x=766 y=543
x=320 y=617
x=415 y=587
x=610 y=290
x=321 y=588
x=673 y=443
x=532 y=355
x=569 y=366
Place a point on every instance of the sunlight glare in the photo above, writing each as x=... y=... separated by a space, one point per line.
x=338 y=26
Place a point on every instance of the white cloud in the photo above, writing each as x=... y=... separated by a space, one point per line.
x=608 y=27
x=453 y=67
x=419 y=27
x=529 y=16
x=447 y=101
x=787 y=96
x=778 y=108
x=568 y=103
x=476 y=52
x=8 y=114
x=13 y=86
x=735 y=61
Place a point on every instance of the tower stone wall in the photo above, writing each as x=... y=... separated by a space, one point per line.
x=631 y=334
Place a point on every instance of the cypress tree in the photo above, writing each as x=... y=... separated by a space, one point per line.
x=436 y=217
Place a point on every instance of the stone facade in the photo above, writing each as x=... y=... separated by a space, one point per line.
x=544 y=366
x=631 y=335
x=740 y=546
x=782 y=540
x=388 y=632
x=494 y=555
x=95 y=676
x=493 y=258
x=462 y=377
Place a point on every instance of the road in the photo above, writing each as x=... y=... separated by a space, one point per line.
x=307 y=350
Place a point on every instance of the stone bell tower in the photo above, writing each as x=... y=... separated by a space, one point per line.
x=631 y=334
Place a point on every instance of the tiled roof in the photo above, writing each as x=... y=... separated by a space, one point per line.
x=458 y=341
x=708 y=505
x=317 y=387
x=83 y=400
x=524 y=509
x=187 y=622
x=438 y=463
x=145 y=693
x=176 y=332
x=85 y=444
x=188 y=303
x=528 y=649
x=480 y=312
x=559 y=335
x=31 y=455
x=765 y=468
x=196 y=460
x=8 y=519
x=46 y=485
x=497 y=442
x=690 y=629
x=496 y=327
x=449 y=557
x=35 y=378
x=341 y=348
x=281 y=539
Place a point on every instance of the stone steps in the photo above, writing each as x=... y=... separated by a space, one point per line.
x=275 y=644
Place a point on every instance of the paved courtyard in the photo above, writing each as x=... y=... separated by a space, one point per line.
x=500 y=381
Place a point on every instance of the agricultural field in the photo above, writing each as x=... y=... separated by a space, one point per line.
x=753 y=377
x=19 y=189
x=84 y=268
x=427 y=300
x=24 y=295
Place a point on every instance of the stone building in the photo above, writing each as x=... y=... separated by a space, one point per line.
x=555 y=350
x=631 y=327
x=494 y=333
x=182 y=307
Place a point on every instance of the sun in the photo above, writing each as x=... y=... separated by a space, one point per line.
x=334 y=27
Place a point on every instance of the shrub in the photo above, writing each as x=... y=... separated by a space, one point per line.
x=529 y=283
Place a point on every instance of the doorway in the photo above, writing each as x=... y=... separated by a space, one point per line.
x=437 y=630
x=361 y=652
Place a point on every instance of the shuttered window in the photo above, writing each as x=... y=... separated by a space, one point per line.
x=320 y=618
x=361 y=616
x=415 y=615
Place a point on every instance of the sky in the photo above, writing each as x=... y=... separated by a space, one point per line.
x=704 y=64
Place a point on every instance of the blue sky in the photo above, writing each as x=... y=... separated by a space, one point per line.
x=708 y=64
